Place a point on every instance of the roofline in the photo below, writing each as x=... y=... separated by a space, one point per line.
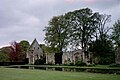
x=33 y=43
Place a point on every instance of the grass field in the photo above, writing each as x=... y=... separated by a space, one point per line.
x=26 y=74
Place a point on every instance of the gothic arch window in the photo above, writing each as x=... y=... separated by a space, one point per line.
x=76 y=59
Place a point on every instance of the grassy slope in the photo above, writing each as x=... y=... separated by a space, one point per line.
x=24 y=74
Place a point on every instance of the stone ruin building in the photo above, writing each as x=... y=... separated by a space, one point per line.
x=72 y=57
x=35 y=52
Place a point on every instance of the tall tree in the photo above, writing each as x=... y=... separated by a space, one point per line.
x=56 y=34
x=83 y=26
x=4 y=54
x=116 y=39
x=46 y=49
x=24 y=45
x=102 y=29
x=4 y=57
x=16 y=53
x=102 y=47
x=102 y=53
x=116 y=33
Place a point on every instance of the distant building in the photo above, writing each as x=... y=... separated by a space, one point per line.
x=72 y=57
x=34 y=52
x=67 y=57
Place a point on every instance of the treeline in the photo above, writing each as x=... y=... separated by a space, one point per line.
x=14 y=54
x=86 y=30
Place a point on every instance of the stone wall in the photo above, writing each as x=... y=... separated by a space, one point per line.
x=50 y=58
x=118 y=56
x=35 y=52
x=72 y=57
x=67 y=58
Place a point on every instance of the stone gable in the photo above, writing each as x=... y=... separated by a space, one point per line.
x=34 y=52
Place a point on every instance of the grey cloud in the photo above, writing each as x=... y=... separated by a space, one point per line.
x=105 y=4
x=26 y=19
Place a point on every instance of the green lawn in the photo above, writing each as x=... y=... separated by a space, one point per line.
x=25 y=74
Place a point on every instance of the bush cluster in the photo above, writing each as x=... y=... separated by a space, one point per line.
x=39 y=62
x=114 y=65
x=80 y=63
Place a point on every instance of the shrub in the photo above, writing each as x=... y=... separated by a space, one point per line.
x=106 y=60
x=68 y=64
x=39 y=62
x=80 y=63
x=91 y=65
x=50 y=63
x=71 y=64
x=114 y=65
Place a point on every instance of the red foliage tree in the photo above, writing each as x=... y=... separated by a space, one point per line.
x=16 y=52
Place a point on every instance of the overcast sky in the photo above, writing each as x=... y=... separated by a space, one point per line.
x=26 y=19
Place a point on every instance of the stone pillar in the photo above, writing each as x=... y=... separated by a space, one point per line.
x=33 y=59
x=46 y=58
x=83 y=56
x=117 y=59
